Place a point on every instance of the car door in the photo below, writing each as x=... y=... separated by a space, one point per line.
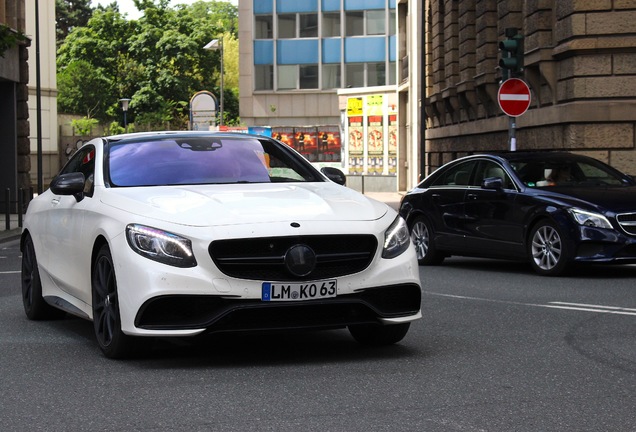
x=446 y=205
x=65 y=224
x=493 y=223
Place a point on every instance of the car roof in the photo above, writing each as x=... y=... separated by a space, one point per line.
x=182 y=134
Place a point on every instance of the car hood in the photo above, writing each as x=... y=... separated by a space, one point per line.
x=207 y=205
x=617 y=199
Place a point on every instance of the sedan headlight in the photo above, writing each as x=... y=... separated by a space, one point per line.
x=396 y=239
x=590 y=219
x=161 y=246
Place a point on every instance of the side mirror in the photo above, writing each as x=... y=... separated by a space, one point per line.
x=335 y=175
x=492 y=183
x=69 y=184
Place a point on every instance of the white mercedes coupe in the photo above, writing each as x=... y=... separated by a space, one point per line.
x=185 y=233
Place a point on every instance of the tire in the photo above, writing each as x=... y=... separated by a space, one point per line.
x=548 y=250
x=106 y=317
x=34 y=305
x=422 y=238
x=379 y=335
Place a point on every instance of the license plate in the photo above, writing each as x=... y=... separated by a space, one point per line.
x=283 y=291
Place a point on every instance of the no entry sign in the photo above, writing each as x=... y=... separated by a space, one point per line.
x=514 y=97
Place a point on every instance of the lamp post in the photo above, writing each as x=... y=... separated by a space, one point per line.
x=124 y=107
x=217 y=44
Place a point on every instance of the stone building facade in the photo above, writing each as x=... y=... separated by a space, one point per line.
x=580 y=64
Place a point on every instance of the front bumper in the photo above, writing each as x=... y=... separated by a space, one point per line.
x=604 y=246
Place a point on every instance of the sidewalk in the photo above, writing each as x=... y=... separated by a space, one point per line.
x=391 y=198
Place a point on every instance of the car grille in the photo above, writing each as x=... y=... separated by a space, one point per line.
x=627 y=221
x=264 y=258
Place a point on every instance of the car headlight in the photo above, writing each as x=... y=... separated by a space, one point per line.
x=396 y=239
x=590 y=219
x=161 y=246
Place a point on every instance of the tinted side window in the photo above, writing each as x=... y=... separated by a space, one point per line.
x=83 y=161
x=489 y=169
x=458 y=175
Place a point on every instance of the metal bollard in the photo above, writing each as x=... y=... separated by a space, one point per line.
x=20 y=206
x=7 y=208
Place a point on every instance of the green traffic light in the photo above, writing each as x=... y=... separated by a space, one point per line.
x=511 y=60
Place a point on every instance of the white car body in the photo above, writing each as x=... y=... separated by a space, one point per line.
x=66 y=234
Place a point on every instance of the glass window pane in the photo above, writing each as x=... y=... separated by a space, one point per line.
x=263 y=28
x=308 y=25
x=287 y=77
x=375 y=22
x=355 y=75
x=331 y=24
x=287 y=26
x=376 y=74
x=392 y=22
x=392 y=73
x=308 y=76
x=354 y=23
x=330 y=76
x=263 y=77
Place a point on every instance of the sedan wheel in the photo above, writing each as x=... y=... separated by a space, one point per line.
x=548 y=251
x=106 y=319
x=378 y=335
x=34 y=305
x=422 y=238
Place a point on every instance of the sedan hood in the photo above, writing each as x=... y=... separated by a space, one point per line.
x=206 y=205
x=617 y=199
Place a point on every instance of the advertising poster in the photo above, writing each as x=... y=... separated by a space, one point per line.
x=329 y=146
x=393 y=128
x=306 y=143
x=285 y=135
x=375 y=135
x=355 y=136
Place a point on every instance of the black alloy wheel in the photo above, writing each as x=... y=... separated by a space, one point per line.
x=548 y=251
x=379 y=335
x=422 y=238
x=106 y=319
x=35 y=307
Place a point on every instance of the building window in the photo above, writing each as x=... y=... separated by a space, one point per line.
x=287 y=77
x=263 y=77
x=331 y=24
x=287 y=26
x=376 y=22
x=308 y=25
x=354 y=22
x=330 y=76
x=355 y=74
x=376 y=74
x=263 y=27
x=392 y=73
x=308 y=76
x=392 y=22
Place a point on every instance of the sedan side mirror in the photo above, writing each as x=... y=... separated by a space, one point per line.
x=492 y=183
x=335 y=175
x=69 y=184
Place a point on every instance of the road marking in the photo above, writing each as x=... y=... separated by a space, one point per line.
x=10 y=272
x=615 y=310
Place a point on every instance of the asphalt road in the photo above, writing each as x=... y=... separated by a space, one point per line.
x=498 y=349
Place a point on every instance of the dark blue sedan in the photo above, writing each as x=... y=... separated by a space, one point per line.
x=550 y=209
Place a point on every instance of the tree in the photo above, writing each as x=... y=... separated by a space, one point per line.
x=70 y=14
x=157 y=61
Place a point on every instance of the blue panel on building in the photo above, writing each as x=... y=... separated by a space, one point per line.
x=263 y=52
x=392 y=48
x=392 y=4
x=331 y=50
x=263 y=6
x=367 y=49
x=292 y=6
x=364 y=4
x=330 y=5
x=297 y=51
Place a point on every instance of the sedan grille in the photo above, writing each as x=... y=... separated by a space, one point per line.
x=264 y=258
x=627 y=221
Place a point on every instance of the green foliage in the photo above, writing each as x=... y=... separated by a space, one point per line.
x=9 y=38
x=157 y=61
x=84 y=126
x=115 y=128
x=70 y=14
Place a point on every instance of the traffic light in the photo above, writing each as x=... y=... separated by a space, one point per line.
x=511 y=61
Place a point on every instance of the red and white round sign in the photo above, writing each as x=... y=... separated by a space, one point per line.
x=514 y=97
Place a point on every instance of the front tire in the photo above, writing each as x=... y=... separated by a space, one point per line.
x=379 y=335
x=35 y=307
x=106 y=316
x=548 y=251
x=422 y=238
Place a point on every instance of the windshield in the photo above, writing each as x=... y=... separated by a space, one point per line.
x=204 y=160
x=566 y=172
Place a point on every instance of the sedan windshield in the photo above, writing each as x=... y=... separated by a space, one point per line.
x=566 y=172
x=204 y=160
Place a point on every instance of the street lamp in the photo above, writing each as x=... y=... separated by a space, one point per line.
x=124 y=106
x=217 y=44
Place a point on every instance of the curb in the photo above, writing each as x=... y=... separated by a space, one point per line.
x=10 y=235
